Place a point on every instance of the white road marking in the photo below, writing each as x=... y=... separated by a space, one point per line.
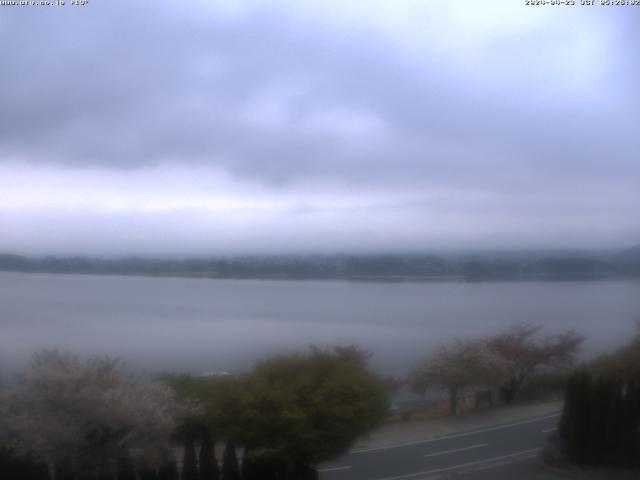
x=334 y=469
x=547 y=430
x=480 y=445
x=492 y=465
x=457 y=435
x=462 y=465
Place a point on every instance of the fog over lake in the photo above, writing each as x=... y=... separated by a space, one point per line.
x=205 y=325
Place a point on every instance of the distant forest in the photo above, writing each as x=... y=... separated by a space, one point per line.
x=548 y=265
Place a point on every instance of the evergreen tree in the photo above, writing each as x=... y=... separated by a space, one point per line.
x=7 y=464
x=305 y=472
x=601 y=420
x=17 y=467
x=147 y=473
x=104 y=474
x=576 y=416
x=189 y=461
x=64 y=471
x=600 y=412
x=631 y=435
x=255 y=468
x=618 y=423
x=169 y=470
x=125 y=469
x=41 y=472
x=230 y=468
x=607 y=422
x=208 y=463
x=250 y=470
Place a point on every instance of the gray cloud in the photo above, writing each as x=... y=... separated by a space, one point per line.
x=285 y=97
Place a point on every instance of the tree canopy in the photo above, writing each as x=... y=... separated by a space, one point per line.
x=311 y=407
x=456 y=365
x=87 y=413
x=525 y=351
x=294 y=409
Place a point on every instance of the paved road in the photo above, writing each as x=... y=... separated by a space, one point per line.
x=506 y=451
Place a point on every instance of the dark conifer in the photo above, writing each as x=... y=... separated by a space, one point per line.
x=250 y=468
x=32 y=470
x=305 y=472
x=576 y=416
x=600 y=413
x=208 y=463
x=631 y=429
x=169 y=470
x=148 y=473
x=230 y=468
x=104 y=474
x=125 y=468
x=63 y=470
x=618 y=422
x=259 y=469
x=7 y=464
x=189 y=461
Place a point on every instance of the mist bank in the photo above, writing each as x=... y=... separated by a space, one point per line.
x=552 y=265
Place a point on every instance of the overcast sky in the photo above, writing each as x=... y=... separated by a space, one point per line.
x=214 y=127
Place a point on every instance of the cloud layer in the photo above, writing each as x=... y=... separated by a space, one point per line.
x=214 y=127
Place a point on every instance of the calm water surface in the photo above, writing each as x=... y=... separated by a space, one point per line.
x=204 y=325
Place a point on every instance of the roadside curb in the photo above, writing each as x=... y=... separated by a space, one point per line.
x=560 y=471
x=427 y=431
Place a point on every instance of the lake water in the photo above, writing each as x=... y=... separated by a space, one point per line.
x=205 y=325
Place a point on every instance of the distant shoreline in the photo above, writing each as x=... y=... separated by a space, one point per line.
x=541 y=266
x=348 y=278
